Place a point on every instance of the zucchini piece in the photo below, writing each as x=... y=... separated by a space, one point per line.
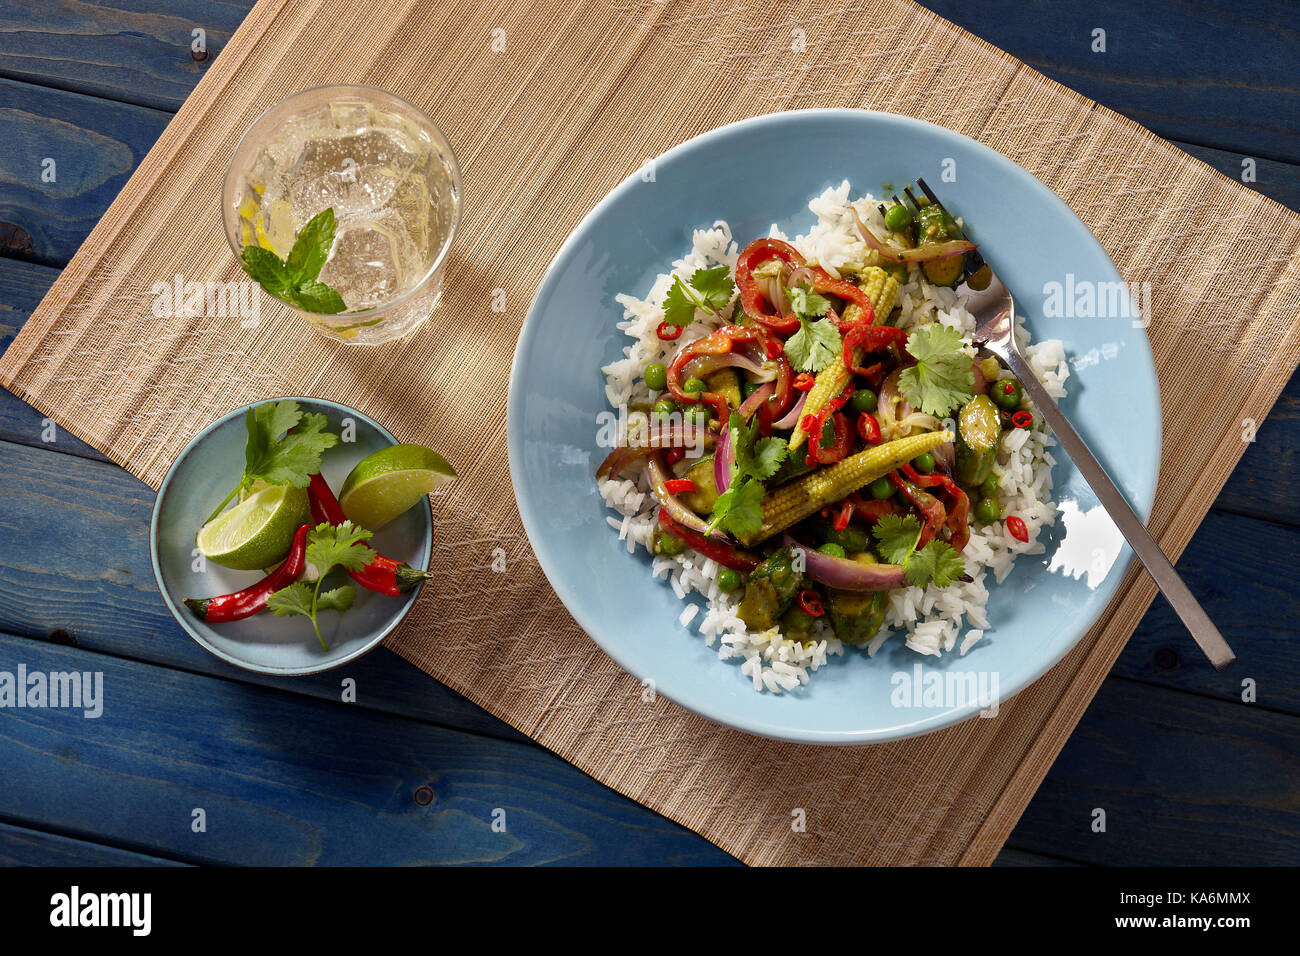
x=726 y=383
x=855 y=616
x=770 y=591
x=979 y=435
x=705 y=495
x=934 y=225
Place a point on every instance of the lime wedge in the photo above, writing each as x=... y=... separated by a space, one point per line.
x=390 y=481
x=258 y=531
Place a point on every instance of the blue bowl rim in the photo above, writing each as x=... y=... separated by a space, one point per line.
x=179 y=615
x=573 y=604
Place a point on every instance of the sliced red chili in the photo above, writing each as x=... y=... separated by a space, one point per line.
x=668 y=332
x=804 y=381
x=1009 y=389
x=845 y=515
x=1022 y=419
x=1017 y=528
x=810 y=602
x=869 y=428
x=679 y=486
x=673 y=455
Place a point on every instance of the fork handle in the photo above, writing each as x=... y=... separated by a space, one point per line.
x=1187 y=608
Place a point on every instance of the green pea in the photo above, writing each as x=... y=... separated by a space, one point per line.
x=695 y=415
x=882 y=488
x=663 y=408
x=656 y=377
x=1006 y=392
x=670 y=545
x=863 y=400
x=833 y=549
x=693 y=385
x=728 y=580
x=987 y=511
x=897 y=217
x=991 y=487
x=924 y=463
x=748 y=388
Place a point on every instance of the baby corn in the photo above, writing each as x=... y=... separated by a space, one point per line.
x=882 y=289
x=792 y=503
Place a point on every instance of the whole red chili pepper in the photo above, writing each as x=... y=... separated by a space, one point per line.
x=383 y=575
x=1017 y=528
x=810 y=603
x=246 y=603
x=719 y=551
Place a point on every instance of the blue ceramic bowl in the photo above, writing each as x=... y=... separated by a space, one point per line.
x=201 y=477
x=752 y=174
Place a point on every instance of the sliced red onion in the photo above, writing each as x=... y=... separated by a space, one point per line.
x=926 y=253
x=981 y=384
x=803 y=276
x=791 y=418
x=849 y=575
x=750 y=405
x=724 y=456
x=657 y=438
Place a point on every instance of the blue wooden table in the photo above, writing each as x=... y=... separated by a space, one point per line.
x=285 y=773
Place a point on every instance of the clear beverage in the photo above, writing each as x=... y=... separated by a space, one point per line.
x=393 y=183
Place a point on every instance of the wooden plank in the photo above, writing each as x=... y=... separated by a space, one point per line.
x=1241 y=569
x=22 y=286
x=136 y=51
x=20 y=846
x=1183 y=780
x=1216 y=74
x=1013 y=857
x=1266 y=482
x=94 y=144
x=287 y=780
x=83 y=578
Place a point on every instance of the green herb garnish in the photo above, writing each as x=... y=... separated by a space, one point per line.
x=328 y=546
x=739 y=510
x=897 y=538
x=283 y=447
x=293 y=280
x=942 y=377
x=709 y=289
x=818 y=343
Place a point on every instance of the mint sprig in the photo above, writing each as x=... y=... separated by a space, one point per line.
x=294 y=280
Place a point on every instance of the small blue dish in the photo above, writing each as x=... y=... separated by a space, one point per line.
x=201 y=477
x=752 y=174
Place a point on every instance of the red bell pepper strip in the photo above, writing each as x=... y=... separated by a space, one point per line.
x=720 y=551
x=721 y=342
x=804 y=381
x=679 y=486
x=873 y=510
x=751 y=296
x=844 y=516
x=841 y=444
x=822 y=282
x=958 y=519
x=383 y=575
x=930 y=508
x=246 y=603
x=869 y=428
x=870 y=338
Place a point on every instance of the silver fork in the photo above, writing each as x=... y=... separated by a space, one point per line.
x=994 y=309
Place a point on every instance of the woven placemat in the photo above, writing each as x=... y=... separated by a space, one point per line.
x=548 y=109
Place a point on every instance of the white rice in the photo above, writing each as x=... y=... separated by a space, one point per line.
x=930 y=620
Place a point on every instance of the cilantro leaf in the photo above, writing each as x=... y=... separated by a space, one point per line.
x=336 y=599
x=709 y=289
x=942 y=377
x=715 y=286
x=808 y=304
x=768 y=455
x=328 y=546
x=280 y=456
x=897 y=537
x=338 y=545
x=311 y=248
x=936 y=562
x=815 y=346
x=295 y=599
x=740 y=509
